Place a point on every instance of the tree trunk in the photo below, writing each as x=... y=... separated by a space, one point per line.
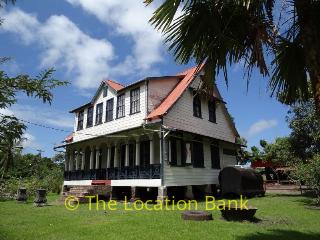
x=308 y=14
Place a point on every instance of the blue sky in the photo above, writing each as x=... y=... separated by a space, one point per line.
x=87 y=41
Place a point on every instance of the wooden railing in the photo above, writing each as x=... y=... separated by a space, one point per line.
x=137 y=172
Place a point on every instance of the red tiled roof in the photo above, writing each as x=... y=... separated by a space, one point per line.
x=116 y=86
x=69 y=138
x=175 y=94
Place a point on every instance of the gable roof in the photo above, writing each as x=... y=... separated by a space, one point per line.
x=188 y=76
x=169 y=101
x=113 y=84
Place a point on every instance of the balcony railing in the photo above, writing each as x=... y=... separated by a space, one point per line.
x=137 y=172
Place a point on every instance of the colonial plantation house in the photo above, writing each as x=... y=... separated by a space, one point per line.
x=156 y=137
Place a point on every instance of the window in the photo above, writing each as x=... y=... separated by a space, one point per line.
x=212 y=111
x=105 y=91
x=99 y=111
x=80 y=120
x=180 y=152
x=120 y=106
x=109 y=110
x=135 y=101
x=197 y=106
x=90 y=117
x=197 y=155
x=215 y=157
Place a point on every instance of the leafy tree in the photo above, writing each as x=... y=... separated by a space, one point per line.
x=255 y=153
x=11 y=131
x=243 y=155
x=305 y=125
x=222 y=32
x=263 y=143
x=280 y=152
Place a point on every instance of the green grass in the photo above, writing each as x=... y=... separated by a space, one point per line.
x=281 y=217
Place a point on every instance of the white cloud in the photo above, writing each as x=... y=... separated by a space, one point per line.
x=89 y=59
x=261 y=126
x=44 y=116
x=29 y=140
x=129 y=18
x=63 y=44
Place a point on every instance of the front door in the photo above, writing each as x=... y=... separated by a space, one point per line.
x=145 y=153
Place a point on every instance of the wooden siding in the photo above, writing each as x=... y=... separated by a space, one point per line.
x=127 y=122
x=181 y=117
x=183 y=176
x=158 y=89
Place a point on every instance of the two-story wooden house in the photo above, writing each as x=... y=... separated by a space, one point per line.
x=157 y=134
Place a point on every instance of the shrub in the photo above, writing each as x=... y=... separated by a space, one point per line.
x=309 y=174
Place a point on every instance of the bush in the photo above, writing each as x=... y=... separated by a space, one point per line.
x=309 y=174
x=52 y=183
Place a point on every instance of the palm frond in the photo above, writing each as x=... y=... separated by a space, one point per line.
x=289 y=80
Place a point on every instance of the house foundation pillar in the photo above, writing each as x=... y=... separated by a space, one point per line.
x=189 y=193
x=133 y=194
x=162 y=193
x=208 y=190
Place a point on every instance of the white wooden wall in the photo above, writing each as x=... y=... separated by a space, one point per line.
x=181 y=117
x=127 y=122
x=183 y=176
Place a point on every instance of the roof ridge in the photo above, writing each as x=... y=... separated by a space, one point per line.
x=113 y=81
x=175 y=94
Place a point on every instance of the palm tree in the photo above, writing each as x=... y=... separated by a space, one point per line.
x=222 y=32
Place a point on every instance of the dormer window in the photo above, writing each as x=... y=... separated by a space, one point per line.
x=99 y=111
x=80 y=120
x=120 y=106
x=90 y=117
x=105 y=91
x=197 y=106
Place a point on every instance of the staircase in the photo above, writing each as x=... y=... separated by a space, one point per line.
x=81 y=192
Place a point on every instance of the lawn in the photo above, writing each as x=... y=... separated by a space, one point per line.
x=280 y=217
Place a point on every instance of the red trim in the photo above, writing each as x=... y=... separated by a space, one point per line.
x=101 y=182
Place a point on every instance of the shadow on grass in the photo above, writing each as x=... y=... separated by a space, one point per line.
x=281 y=234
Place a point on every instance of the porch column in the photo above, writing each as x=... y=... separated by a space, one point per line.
x=97 y=158
x=137 y=152
x=83 y=159
x=91 y=157
x=116 y=156
x=78 y=160
x=126 y=163
x=108 y=156
x=66 y=161
x=71 y=160
x=151 y=149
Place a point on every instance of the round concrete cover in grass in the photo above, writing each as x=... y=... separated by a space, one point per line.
x=196 y=216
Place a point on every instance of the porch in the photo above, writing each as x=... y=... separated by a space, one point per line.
x=138 y=172
x=131 y=155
